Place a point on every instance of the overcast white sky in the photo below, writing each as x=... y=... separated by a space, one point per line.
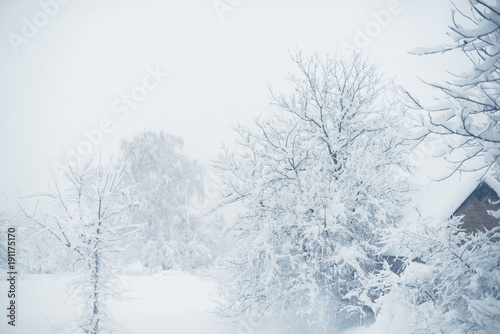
x=65 y=78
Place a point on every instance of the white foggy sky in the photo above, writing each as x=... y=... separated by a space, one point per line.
x=64 y=79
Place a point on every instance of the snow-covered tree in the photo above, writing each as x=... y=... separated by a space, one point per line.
x=163 y=180
x=313 y=186
x=453 y=286
x=86 y=221
x=451 y=283
x=469 y=111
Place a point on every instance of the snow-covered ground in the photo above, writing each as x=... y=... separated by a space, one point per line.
x=167 y=303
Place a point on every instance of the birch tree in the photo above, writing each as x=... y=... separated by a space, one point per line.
x=163 y=180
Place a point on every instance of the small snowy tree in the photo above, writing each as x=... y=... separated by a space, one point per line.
x=314 y=185
x=87 y=217
x=451 y=283
x=163 y=180
x=469 y=112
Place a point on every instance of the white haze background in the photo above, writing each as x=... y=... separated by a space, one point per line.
x=64 y=80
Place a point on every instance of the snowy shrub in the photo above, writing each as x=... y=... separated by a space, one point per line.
x=452 y=280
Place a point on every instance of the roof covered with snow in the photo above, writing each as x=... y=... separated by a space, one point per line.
x=440 y=199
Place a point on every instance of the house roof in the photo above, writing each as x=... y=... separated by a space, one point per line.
x=440 y=199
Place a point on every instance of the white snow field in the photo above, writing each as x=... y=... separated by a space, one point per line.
x=165 y=303
x=169 y=302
